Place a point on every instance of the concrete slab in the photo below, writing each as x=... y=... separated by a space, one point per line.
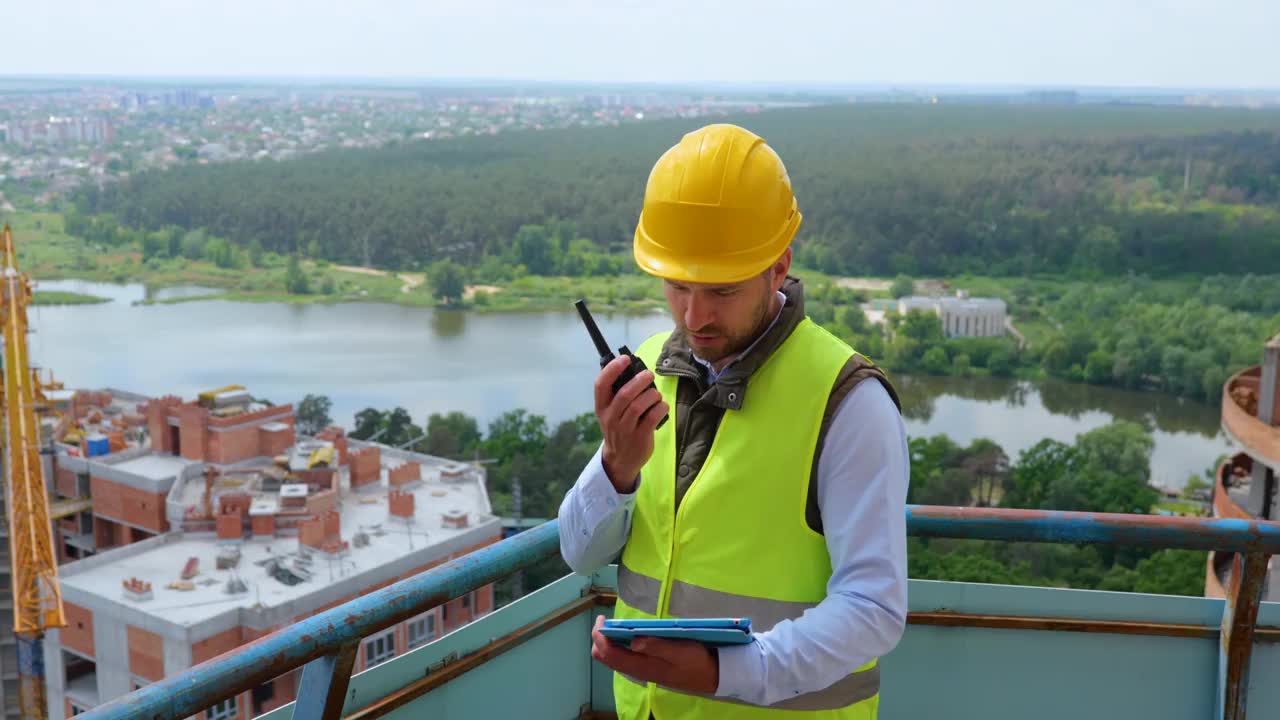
x=154 y=467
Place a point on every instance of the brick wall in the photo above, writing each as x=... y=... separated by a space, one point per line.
x=78 y=634
x=322 y=502
x=401 y=504
x=365 y=466
x=319 y=530
x=319 y=478
x=264 y=525
x=109 y=534
x=123 y=503
x=283 y=692
x=64 y=481
x=272 y=443
x=404 y=474
x=215 y=645
x=146 y=654
x=231 y=446
x=193 y=423
x=236 y=503
x=230 y=526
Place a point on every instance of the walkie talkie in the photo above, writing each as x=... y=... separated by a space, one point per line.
x=606 y=355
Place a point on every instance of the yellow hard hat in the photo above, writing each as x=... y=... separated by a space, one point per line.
x=718 y=208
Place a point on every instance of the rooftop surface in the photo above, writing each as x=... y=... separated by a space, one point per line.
x=952 y=301
x=154 y=467
x=390 y=539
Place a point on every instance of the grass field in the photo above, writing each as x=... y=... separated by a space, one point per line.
x=57 y=297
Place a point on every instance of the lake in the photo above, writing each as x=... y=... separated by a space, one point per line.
x=434 y=361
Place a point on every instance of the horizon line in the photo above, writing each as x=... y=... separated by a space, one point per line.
x=770 y=85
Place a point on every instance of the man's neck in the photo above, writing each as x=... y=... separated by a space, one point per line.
x=775 y=309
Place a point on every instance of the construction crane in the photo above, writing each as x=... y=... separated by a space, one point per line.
x=37 y=599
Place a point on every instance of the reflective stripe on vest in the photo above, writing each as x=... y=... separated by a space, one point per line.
x=688 y=600
x=739 y=544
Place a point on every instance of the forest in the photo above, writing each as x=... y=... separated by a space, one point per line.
x=1104 y=470
x=922 y=190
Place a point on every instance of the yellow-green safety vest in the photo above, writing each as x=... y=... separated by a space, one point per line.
x=739 y=545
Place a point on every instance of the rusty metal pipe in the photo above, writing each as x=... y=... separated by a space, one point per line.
x=1055 y=526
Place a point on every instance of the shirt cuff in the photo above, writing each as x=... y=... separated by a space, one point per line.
x=599 y=497
x=741 y=671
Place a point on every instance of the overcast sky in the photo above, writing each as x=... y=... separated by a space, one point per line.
x=1215 y=43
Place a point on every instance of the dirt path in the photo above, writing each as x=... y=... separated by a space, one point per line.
x=471 y=290
x=410 y=280
x=860 y=283
x=361 y=270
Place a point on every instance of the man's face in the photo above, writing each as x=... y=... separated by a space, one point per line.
x=721 y=320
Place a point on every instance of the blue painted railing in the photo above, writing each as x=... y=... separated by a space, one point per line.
x=326 y=644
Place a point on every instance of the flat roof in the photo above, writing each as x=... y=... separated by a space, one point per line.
x=390 y=539
x=154 y=467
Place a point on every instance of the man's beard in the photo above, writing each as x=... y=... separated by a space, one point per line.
x=736 y=343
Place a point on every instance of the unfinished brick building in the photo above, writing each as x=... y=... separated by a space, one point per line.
x=206 y=524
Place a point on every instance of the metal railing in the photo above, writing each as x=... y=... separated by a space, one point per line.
x=325 y=645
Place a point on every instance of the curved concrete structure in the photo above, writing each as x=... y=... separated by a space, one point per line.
x=1242 y=424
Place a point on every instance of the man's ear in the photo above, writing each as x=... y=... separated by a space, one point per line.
x=778 y=271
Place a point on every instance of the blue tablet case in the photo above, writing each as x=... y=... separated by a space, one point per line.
x=711 y=631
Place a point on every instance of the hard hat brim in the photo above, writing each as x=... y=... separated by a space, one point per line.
x=720 y=268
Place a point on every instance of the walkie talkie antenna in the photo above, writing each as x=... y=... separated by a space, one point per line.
x=601 y=346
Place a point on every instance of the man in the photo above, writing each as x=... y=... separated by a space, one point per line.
x=777 y=489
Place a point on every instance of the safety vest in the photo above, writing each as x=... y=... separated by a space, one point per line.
x=739 y=545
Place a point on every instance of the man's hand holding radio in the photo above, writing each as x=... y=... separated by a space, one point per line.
x=627 y=421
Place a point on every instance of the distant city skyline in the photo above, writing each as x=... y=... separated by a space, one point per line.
x=1193 y=44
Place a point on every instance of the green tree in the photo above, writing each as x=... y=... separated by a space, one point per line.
x=400 y=428
x=935 y=361
x=193 y=244
x=453 y=435
x=296 y=281
x=1001 y=363
x=902 y=286
x=1115 y=467
x=534 y=250
x=1098 y=366
x=448 y=281
x=368 y=422
x=1041 y=477
x=255 y=253
x=312 y=414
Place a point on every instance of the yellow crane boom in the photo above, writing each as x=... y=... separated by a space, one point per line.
x=37 y=599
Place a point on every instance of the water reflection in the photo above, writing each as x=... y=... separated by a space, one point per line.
x=127 y=293
x=1017 y=414
x=449 y=323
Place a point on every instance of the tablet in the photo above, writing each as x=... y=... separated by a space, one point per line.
x=711 y=631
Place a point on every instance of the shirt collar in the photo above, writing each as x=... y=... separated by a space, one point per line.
x=712 y=375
